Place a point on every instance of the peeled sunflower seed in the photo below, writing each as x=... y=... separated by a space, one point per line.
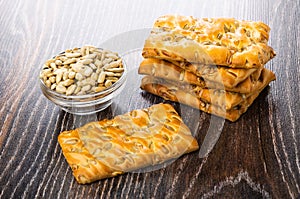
x=70 y=90
x=86 y=61
x=108 y=83
x=79 y=77
x=71 y=75
x=98 y=63
x=94 y=76
x=90 y=56
x=58 y=62
x=67 y=82
x=113 y=64
x=52 y=79
x=93 y=66
x=60 y=89
x=53 y=86
x=86 y=88
x=66 y=75
x=115 y=70
x=99 y=88
x=77 y=90
x=72 y=55
x=107 y=61
x=59 y=77
x=48 y=83
x=69 y=61
x=87 y=71
x=53 y=65
x=101 y=77
x=111 y=55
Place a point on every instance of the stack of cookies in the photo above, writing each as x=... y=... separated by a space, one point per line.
x=215 y=65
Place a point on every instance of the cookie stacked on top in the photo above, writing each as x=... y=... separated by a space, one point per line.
x=213 y=64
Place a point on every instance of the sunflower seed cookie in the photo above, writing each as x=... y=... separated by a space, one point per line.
x=207 y=101
x=127 y=142
x=219 y=41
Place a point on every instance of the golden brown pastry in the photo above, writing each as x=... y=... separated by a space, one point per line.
x=127 y=142
x=171 y=72
x=218 y=41
x=230 y=77
x=196 y=73
x=203 y=101
x=223 y=99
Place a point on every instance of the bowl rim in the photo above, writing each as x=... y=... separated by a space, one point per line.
x=104 y=92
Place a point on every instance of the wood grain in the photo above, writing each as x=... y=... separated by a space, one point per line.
x=255 y=157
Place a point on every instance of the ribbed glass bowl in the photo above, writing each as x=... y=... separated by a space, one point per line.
x=89 y=103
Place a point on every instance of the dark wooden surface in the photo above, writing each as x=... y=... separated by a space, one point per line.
x=255 y=157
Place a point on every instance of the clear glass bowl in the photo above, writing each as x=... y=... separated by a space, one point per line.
x=89 y=103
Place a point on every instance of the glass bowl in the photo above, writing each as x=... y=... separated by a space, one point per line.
x=88 y=103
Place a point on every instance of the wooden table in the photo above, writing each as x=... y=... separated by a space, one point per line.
x=256 y=157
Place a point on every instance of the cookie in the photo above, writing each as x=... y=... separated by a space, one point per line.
x=127 y=142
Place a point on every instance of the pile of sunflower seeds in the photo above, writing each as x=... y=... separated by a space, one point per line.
x=81 y=71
